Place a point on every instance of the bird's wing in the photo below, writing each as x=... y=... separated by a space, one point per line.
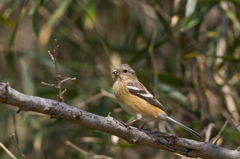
x=137 y=89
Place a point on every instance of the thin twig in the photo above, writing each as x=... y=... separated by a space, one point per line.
x=7 y=151
x=96 y=96
x=15 y=126
x=221 y=131
x=63 y=92
x=51 y=85
x=85 y=152
x=58 y=75
x=68 y=79
x=51 y=56
x=208 y=132
x=56 y=49
x=90 y=99
x=16 y=144
x=90 y=139
x=150 y=50
x=110 y=95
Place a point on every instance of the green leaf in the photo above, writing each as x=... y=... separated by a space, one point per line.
x=235 y=2
x=6 y=21
x=190 y=55
x=190 y=7
x=187 y=23
x=9 y=9
x=229 y=58
x=165 y=23
x=35 y=23
x=35 y=7
x=20 y=17
x=231 y=49
x=58 y=12
x=11 y=66
x=27 y=81
x=233 y=18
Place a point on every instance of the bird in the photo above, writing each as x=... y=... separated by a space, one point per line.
x=136 y=100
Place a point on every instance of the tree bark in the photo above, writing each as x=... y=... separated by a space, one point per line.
x=110 y=125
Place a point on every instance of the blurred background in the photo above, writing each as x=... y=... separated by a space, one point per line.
x=186 y=52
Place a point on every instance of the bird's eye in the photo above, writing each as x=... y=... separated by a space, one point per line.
x=125 y=71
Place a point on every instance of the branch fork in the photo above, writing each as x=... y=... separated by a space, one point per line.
x=53 y=58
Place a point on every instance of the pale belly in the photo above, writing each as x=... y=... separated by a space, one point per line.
x=145 y=119
x=127 y=109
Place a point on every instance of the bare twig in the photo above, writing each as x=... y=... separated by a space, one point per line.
x=208 y=132
x=86 y=153
x=68 y=79
x=90 y=139
x=55 y=51
x=90 y=99
x=7 y=151
x=51 y=85
x=107 y=94
x=150 y=50
x=95 y=97
x=16 y=144
x=223 y=127
x=51 y=56
x=110 y=125
x=63 y=91
x=58 y=75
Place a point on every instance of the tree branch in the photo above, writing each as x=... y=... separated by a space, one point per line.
x=110 y=125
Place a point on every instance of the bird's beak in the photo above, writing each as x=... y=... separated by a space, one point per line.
x=115 y=72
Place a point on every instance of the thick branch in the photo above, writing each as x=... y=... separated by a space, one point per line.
x=109 y=125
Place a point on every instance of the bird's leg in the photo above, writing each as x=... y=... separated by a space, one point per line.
x=128 y=125
x=143 y=126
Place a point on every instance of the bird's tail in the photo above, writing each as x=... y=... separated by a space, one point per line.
x=185 y=127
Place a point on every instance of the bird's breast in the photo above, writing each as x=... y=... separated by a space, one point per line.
x=121 y=95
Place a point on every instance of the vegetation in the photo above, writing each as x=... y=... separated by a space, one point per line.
x=185 y=52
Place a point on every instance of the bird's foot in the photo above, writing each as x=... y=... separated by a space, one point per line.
x=143 y=127
x=126 y=125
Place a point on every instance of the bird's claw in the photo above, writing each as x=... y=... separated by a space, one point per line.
x=126 y=125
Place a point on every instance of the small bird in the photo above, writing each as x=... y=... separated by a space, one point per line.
x=135 y=99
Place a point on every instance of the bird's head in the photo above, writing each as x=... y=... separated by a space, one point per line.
x=124 y=72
